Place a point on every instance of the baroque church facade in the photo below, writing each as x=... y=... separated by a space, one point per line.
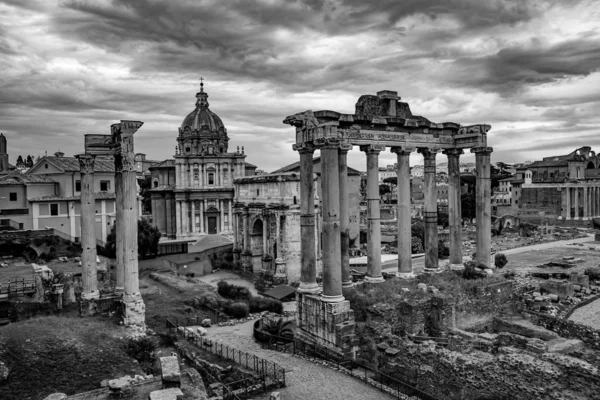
x=193 y=193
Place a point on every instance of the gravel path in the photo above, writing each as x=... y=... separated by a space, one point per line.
x=588 y=315
x=547 y=245
x=304 y=379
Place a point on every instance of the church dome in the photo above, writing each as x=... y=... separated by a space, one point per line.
x=202 y=118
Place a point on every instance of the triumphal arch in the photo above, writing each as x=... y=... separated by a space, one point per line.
x=379 y=122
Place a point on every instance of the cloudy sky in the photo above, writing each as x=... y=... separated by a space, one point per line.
x=531 y=69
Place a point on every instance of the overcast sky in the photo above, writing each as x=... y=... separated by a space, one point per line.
x=531 y=69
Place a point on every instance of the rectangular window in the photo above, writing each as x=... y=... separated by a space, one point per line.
x=13 y=196
x=20 y=225
x=44 y=209
x=257 y=192
x=78 y=186
x=104 y=186
x=54 y=209
x=211 y=178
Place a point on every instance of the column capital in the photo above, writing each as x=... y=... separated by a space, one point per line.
x=402 y=150
x=345 y=146
x=428 y=153
x=485 y=150
x=373 y=148
x=86 y=163
x=453 y=152
x=327 y=143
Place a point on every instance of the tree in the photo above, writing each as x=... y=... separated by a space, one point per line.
x=148 y=237
x=145 y=186
x=418 y=230
x=443 y=219
x=467 y=204
x=383 y=190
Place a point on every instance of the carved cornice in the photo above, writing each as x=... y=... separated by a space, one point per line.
x=482 y=150
x=327 y=143
x=402 y=150
x=86 y=163
x=345 y=146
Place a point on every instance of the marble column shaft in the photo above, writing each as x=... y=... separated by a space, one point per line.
x=568 y=201
x=330 y=189
x=483 y=207
x=88 y=229
x=586 y=203
x=373 y=214
x=308 y=271
x=344 y=214
x=193 y=205
x=201 y=216
x=576 y=201
x=430 y=211
x=404 y=221
x=264 y=236
x=454 y=207
x=119 y=232
x=246 y=231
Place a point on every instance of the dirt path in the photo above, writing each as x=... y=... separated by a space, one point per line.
x=547 y=245
x=588 y=315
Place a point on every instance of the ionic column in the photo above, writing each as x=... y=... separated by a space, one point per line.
x=201 y=216
x=230 y=218
x=88 y=229
x=454 y=211
x=344 y=214
x=576 y=201
x=373 y=214
x=568 y=201
x=404 y=223
x=193 y=204
x=586 y=202
x=119 y=232
x=308 y=272
x=330 y=189
x=278 y=234
x=483 y=205
x=430 y=210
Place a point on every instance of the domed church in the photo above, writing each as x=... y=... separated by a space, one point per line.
x=192 y=194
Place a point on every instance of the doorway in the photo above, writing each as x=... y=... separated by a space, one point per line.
x=212 y=225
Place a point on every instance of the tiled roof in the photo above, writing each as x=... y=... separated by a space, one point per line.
x=296 y=167
x=71 y=164
x=18 y=179
x=164 y=164
x=97 y=196
x=549 y=163
x=248 y=165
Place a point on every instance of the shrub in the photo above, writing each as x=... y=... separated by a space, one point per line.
x=237 y=310
x=509 y=274
x=233 y=291
x=593 y=273
x=443 y=250
x=143 y=350
x=416 y=245
x=500 y=260
x=259 y=304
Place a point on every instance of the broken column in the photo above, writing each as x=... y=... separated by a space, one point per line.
x=454 y=208
x=88 y=229
x=483 y=206
x=430 y=213
x=344 y=215
x=404 y=221
x=127 y=235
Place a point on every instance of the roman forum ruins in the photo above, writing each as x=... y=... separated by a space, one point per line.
x=381 y=121
x=118 y=144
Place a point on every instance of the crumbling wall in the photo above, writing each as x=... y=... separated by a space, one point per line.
x=568 y=329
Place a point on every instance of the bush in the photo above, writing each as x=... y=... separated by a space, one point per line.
x=233 y=291
x=416 y=245
x=443 y=250
x=259 y=304
x=509 y=274
x=472 y=271
x=143 y=350
x=500 y=260
x=237 y=310
x=593 y=273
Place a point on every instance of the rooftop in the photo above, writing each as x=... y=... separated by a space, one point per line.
x=24 y=179
x=97 y=196
x=71 y=164
x=295 y=167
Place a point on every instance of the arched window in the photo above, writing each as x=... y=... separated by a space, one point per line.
x=155 y=183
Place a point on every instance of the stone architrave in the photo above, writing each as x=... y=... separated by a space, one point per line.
x=344 y=215
x=454 y=208
x=430 y=212
x=308 y=272
x=373 y=214
x=483 y=205
x=88 y=228
x=404 y=221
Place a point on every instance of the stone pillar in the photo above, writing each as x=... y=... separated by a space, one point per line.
x=193 y=204
x=586 y=203
x=454 y=210
x=134 y=310
x=330 y=189
x=230 y=216
x=430 y=210
x=119 y=232
x=404 y=222
x=178 y=213
x=308 y=272
x=264 y=235
x=278 y=234
x=88 y=229
x=169 y=215
x=344 y=214
x=246 y=231
x=185 y=217
x=201 y=216
x=576 y=201
x=568 y=201
x=483 y=205
x=373 y=220
x=222 y=218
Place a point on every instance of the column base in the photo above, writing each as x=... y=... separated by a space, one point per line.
x=374 y=279
x=332 y=299
x=119 y=290
x=405 y=275
x=347 y=285
x=456 y=267
x=432 y=270
x=134 y=310
x=90 y=295
x=311 y=288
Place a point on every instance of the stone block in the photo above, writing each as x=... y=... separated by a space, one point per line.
x=170 y=369
x=120 y=383
x=581 y=280
x=275 y=396
x=206 y=323
x=383 y=346
x=422 y=287
x=560 y=288
x=202 y=331
x=392 y=352
x=523 y=328
x=167 y=394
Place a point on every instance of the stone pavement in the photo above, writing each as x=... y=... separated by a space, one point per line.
x=304 y=379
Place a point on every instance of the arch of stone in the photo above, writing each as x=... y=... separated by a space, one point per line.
x=379 y=123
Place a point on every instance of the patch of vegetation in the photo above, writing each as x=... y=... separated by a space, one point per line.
x=148 y=237
x=500 y=260
x=235 y=292
x=279 y=327
x=237 y=309
x=259 y=304
x=593 y=273
x=144 y=351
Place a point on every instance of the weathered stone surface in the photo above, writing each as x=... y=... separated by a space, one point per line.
x=275 y=396
x=202 y=331
x=170 y=369
x=56 y=396
x=562 y=345
x=167 y=394
x=560 y=288
x=120 y=383
x=206 y=323
x=392 y=351
x=581 y=280
x=382 y=346
x=523 y=328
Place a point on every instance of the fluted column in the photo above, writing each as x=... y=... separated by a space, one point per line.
x=373 y=214
x=454 y=210
x=185 y=217
x=308 y=272
x=483 y=205
x=344 y=214
x=568 y=201
x=169 y=220
x=230 y=216
x=88 y=229
x=264 y=236
x=430 y=211
x=330 y=189
x=246 y=231
x=178 y=213
x=404 y=222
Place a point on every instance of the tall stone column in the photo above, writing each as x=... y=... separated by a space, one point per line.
x=245 y=217
x=193 y=204
x=586 y=202
x=230 y=216
x=264 y=236
x=119 y=232
x=169 y=215
x=344 y=214
x=278 y=234
x=308 y=272
x=201 y=216
x=330 y=189
x=576 y=201
x=185 y=218
x=134 y=310
x=88 y=229
x=568 y=201
x=430 y=210
x=483 y=206
x=454 y=210
x=222 y=218
x=178 y=213
x=404 y=222
x=373 y=214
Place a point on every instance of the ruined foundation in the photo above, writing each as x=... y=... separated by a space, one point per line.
x=134 y=310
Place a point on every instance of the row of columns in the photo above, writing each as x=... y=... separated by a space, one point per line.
x=585 y=198
x=185 y=208
x=335 y=213
x=185 y=174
